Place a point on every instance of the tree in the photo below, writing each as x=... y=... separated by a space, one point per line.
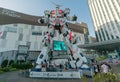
x=4 y=63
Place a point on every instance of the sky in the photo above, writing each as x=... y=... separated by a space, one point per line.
x=37 y=7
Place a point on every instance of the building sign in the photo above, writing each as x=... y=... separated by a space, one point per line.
x=10 y=13
x=23 y=49
x=11 y=29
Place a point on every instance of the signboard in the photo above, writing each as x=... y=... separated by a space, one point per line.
x=10 y=13
x=11 y=29
x=55 y=74
x=23 y=49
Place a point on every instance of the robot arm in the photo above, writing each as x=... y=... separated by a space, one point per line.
x=72 y=18
x=44 y=19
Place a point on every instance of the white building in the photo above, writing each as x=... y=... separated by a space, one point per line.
x=106 y=18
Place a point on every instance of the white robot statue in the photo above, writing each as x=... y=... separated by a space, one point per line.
x=56 y=20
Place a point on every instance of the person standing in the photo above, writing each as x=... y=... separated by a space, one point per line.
x=96 y=68
x=104 y=68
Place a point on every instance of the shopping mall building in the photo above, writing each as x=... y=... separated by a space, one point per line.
x=21 y=32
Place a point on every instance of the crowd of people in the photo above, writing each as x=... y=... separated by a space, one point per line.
x=101 y=68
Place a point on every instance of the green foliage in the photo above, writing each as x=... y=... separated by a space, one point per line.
x=108 y=77
x=5 y=69
x=1 y=71
x=4 y=63
x=100 y=58
x=22 y=66
x=20 y=61
x=11 y=62
x=4 y=81
x=83 y=79
x=13 y=69
x=14 y=66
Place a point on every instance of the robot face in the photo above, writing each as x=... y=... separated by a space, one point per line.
x=59 y=11
x=57 y=22
x=60 y=14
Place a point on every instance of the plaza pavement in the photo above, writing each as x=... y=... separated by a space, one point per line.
x=15 y=77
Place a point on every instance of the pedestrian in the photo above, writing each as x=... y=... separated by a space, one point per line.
x=105 y=67
x=96 y=68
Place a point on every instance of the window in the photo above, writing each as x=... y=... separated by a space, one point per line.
x=107 y=35
x=100 y=35
x=103 y=34
x=96 y=35
x=115 y=8
x=4 y=35
x=28 y=43
x=26 y=26
x=1 y=54
x=12 y=55
x=112 y=25
x=15 y=25
x=3 y=43
x=27 y=37
x=16 y=44
x=20 y=30
x=20 y=37
x=11 y=29
x=112 y=36
x=35 y=45
x=32 y=27
x=36 y=33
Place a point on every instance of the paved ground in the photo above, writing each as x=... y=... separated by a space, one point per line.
x=115 y=65
x=15 y=77
x=116 y=68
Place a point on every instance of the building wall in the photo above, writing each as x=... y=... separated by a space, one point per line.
x=106 y=18
x=92 y=39
x=21 y=34
x=14 y=35
x=11 y=55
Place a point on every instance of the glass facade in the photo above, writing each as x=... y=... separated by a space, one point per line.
x=106 y=18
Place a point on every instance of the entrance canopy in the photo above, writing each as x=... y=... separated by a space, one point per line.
x=104 y=45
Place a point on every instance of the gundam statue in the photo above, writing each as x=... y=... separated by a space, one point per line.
x=59 y=46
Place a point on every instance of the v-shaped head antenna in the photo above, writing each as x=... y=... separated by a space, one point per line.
x=57 y=5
